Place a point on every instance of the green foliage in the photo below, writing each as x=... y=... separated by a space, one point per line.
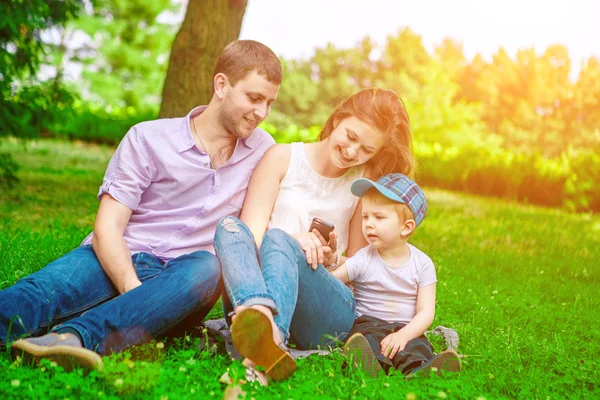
x=20 y=30
x=8 y=170
x=531 y=102
x=565 y=181
x=485 y=168
x=313 y=88
x=126 y=51
x=517 y=282
x=27 y=105
x=35 y=108
x=292 y=133
x=92 y=123
x=526 y=104
x=515 y=127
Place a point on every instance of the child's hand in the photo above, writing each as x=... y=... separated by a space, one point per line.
x=393 y=343
x=329 y=247
x=330 y=251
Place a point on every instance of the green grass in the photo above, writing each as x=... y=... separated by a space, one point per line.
x=520 y=284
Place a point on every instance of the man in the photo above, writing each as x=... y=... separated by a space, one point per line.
x=149 y=266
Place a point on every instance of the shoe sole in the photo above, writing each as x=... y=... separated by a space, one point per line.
x=447 y=361
x=252 y=336
x=362 y=355
x=68 y=357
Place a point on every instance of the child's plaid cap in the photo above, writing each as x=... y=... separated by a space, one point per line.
x=396 y=187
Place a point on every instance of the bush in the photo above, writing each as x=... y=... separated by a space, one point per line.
x=32 y=109
x=293 y=133
x=566 y=181
x=8 y=170
x=483 y=168
x=93 y=124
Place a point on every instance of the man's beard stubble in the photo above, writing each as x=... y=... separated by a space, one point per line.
x=227 y=122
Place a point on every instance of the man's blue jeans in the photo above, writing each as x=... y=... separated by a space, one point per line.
x=311 y=307
x=74 y=292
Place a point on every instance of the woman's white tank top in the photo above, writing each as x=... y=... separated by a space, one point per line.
x=304 y=194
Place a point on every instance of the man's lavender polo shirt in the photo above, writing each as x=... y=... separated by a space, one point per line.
x=176 y=198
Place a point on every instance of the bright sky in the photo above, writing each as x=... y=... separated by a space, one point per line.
x=293 y=28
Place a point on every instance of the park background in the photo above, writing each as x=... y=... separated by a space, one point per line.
x=506 y=131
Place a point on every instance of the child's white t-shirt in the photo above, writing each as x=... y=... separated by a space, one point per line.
x=385 y=292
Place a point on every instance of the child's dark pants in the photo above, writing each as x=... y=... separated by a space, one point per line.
x=417 y=351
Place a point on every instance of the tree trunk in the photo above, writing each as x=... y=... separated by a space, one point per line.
x=208 y=26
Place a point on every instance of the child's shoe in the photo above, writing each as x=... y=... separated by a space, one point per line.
x=361 y=355
x=447 y=361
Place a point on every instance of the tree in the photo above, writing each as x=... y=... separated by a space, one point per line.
x=27 y=105
x=313 y=88
x=451 y=54
x=586 y=129
x=21 y=52
x=405 y=56
x=208 y=26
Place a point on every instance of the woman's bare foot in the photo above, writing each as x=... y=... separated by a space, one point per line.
x=248 y=363
x=267 y=311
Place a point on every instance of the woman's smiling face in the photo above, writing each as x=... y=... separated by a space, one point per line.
x=354 y=142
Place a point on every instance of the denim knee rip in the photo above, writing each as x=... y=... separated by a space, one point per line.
x=230 y=225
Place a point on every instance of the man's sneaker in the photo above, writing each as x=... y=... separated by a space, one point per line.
x=447 y=361
x=361 y=355
x=63 y=348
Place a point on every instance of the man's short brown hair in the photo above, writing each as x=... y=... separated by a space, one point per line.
x=241 y=57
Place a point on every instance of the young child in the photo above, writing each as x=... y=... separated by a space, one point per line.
x=394 y=282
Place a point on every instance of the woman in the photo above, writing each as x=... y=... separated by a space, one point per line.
x=273 y=293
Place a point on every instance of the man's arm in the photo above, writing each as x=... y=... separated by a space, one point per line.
x=110 y=246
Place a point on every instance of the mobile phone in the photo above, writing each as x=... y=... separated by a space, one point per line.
x=323 y=227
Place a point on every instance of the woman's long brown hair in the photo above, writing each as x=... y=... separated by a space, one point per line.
x=384 y=110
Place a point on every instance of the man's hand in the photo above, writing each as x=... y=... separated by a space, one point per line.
x=130 y=285
x=110 y=246
x=393 y=343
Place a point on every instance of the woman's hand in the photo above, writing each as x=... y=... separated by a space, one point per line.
x=315 y=247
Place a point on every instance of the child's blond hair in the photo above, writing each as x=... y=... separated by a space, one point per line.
x=402 y=210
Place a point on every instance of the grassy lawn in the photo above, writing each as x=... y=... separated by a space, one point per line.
x=520 y=284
